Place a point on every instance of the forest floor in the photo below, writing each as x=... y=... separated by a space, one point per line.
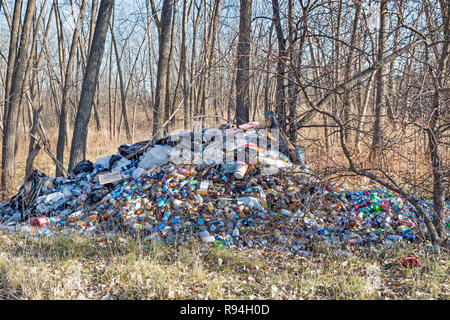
x=82 y=267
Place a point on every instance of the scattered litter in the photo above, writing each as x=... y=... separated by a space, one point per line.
x=110 y=178
x=411 y=261
x=83 y=166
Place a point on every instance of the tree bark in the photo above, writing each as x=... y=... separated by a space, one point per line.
x=11 y=119
x=280 y=104
x=92 y=23
x=62 y=129
x=80 y=131
x=243 y=64
x=211 y=55
x=377 y=142
x=163 y=61
x=167 y=104
x=435 y=134
x=348 y=71
x=12 y=53
x=183 y=66
x=123 y=93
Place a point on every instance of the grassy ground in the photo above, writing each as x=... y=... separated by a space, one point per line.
x=75 y=267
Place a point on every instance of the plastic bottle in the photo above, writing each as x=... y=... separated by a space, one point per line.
x=203 y=189
x=393 y=237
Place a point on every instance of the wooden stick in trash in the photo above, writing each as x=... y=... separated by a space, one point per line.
x=46 y=149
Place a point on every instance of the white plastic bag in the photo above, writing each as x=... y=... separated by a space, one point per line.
x=156 y=156
x=103 y=162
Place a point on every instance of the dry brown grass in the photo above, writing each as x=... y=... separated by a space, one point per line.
x=75 y=267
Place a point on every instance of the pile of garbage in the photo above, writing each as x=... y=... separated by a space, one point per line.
x=180 y=188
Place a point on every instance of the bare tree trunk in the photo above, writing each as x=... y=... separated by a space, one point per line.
x=79 y=138
x=34 y=94
x=92 y=23
x=178 y=85
x=243 y=64
x=192 y=99
x=362 y=114
x=163 y=61
x=435 y=134
x=232 y=97
x=34 y=147
x=96 y=106
x=110 y=105
x=12 y=53
x=183 y=67
x=377 y=142
x=62 y=130
x=167 y=104
x=10 y=128
x=292 y=88
x=123 y=94
x=211 y=55
x=348 y=71
x=116 y=131
x=59 y=32
x=392 y=88
x=280 y=104
x=267 y=100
